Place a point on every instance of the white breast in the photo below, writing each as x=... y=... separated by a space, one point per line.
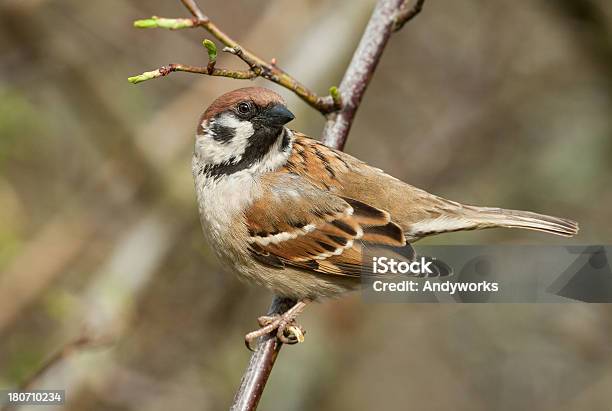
x=221 y=203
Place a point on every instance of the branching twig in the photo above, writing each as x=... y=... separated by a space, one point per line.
x=258 y=66
x=407 y=13
x=339 y=107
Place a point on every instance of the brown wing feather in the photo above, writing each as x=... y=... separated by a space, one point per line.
x=317 y=163
x=313 y=229
x=349 y=177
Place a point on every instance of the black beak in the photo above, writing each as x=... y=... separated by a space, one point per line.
x=277 y=116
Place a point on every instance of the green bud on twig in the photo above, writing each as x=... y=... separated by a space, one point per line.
x=160 y=22
x=148 y=75
x=336 y=96
x=145 y=24
x=212 y=50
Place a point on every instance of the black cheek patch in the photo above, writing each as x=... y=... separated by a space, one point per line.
x=222 y=134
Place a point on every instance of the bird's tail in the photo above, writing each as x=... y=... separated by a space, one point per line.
x=474 y=218
x=499 y=217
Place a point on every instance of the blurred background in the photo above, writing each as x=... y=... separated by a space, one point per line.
x=481 y=101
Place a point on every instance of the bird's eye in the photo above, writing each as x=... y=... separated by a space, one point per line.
x=244 y=108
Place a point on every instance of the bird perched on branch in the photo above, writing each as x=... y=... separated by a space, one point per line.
x=293 y=215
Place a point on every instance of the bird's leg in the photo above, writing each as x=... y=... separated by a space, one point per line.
x=287 y=330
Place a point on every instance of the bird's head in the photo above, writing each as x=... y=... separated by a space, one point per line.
x=243 y=128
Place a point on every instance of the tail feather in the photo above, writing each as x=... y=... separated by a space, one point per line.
x=500 y=217
x=474 y=218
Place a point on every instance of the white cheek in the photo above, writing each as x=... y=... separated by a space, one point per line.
x=244 y=129
x=212 y=151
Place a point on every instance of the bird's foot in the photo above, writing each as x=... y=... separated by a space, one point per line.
x=287 y=330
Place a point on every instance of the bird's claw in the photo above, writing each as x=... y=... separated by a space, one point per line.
x=287 y=330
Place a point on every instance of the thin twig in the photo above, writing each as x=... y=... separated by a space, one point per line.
x=165 y=70
x=194 y=9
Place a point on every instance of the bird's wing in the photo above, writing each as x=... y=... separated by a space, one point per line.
x=346 y=176
x=416 y=211
x=296 y=224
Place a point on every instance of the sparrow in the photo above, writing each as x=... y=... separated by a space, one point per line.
x=293 y=215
